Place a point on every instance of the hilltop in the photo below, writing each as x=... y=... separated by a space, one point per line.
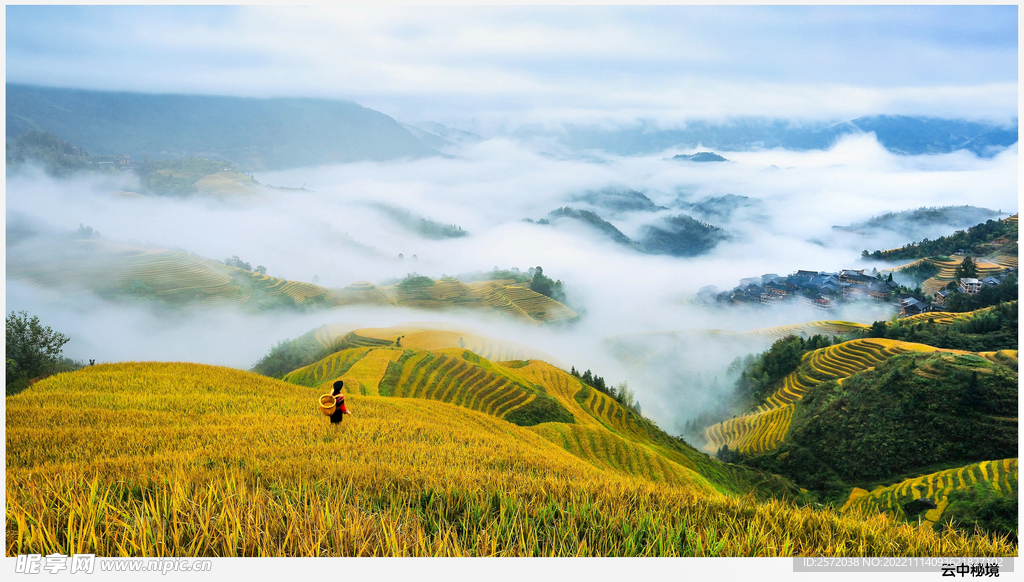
x=256 y=134
x=700 y=157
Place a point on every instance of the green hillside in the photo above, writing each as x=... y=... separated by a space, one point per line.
x=911 y=411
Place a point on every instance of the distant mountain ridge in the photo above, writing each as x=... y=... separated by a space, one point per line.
x=898 y=133
x=257 y=134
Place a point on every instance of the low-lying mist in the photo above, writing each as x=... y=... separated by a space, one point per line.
x=334 y=229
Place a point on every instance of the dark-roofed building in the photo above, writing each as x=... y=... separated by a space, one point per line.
x=912 y=306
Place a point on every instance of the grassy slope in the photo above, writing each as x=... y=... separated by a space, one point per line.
x=185 y=459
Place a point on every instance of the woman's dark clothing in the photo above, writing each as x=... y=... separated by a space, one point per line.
x=339 y=413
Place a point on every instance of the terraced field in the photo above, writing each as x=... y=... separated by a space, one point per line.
x=538 y=306
x=557 y=383
x=1002 y=475
x=1006 y=357
x=939 y=317
x=1002 y=260
x=448 y=376
x=327 y=369
x=425 y=338
x=332 y=335
x=609 y=451
x=369 y=370
x=754 y=433
x=609 y=413
x=809 y=328
x=765 y=429
x=943 y=317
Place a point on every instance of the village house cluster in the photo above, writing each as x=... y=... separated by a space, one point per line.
x=823 y=290
x=819 y=289
x=972 y=286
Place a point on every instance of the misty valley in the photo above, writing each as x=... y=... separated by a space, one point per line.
x=306 y=326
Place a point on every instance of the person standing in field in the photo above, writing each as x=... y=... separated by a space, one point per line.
x=339 y=400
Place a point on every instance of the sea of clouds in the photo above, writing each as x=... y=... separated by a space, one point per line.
x=333 y=230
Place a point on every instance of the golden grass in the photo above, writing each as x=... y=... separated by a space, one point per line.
x=166 y=460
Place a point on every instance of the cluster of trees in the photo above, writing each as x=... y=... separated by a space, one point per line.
x=968 y=240
x=681 y=236
x=287 y=356
x=437 y=230
x=496 y=273
x=541 y=283
x=234 y=261
x=621 y=392
x=32 y=350
x=423 y=226
x=967 y=268
x=414 y=280
x=921 y=271
x=926 y=215
x=56 y=156
x=85 y=232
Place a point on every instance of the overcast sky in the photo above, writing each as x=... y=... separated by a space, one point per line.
x=504 y=66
